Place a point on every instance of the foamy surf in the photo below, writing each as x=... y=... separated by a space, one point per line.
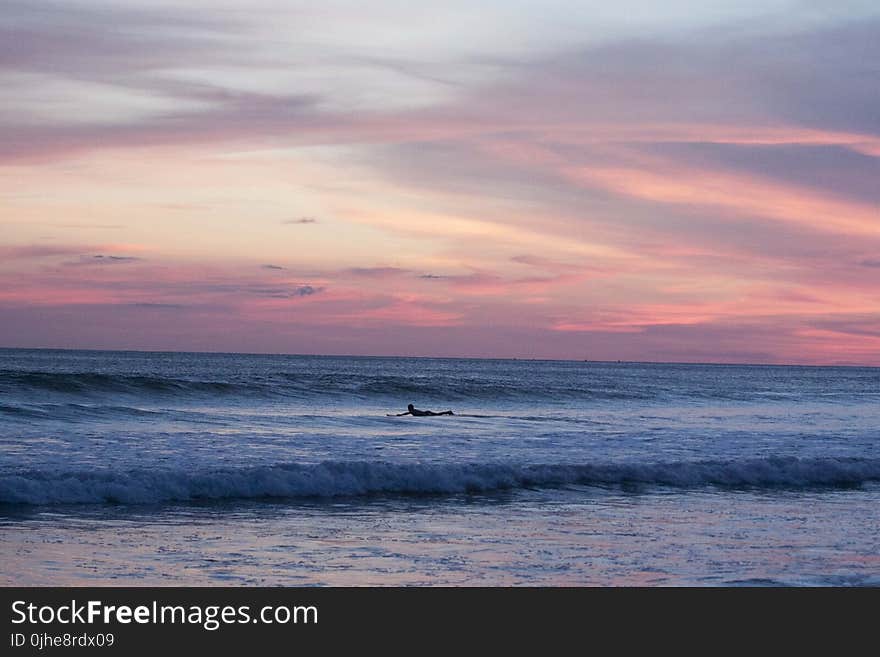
x=336 y=479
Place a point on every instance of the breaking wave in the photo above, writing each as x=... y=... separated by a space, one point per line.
x=347 y=478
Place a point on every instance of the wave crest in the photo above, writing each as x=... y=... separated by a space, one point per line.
x=305 y=386
x=347 y=478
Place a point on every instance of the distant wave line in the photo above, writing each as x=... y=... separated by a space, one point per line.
x=400 y=388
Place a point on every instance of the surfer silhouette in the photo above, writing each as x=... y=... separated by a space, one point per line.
x=412 y=410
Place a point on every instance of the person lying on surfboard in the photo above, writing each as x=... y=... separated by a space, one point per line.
x=412 y=410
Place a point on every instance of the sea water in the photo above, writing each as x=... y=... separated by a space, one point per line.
x=197 y=469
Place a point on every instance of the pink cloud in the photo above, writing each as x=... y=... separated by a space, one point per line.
x=746 y=195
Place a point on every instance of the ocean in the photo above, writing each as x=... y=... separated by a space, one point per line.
x=135 y=468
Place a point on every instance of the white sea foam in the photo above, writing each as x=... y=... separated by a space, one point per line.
x=341 y=478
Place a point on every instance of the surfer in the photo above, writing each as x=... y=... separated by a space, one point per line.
x=412 y=410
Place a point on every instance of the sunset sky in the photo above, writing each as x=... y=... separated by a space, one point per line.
x=680 y=181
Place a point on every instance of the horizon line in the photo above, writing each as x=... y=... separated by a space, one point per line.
x=399 y=356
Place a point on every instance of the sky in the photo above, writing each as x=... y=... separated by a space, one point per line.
x=687 y=181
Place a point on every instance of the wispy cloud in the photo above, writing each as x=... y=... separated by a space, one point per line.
x=284 y=292
x=157 y=305
x=375 y=272
x=102 y=260
x=115 y=258
x=306 y=290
